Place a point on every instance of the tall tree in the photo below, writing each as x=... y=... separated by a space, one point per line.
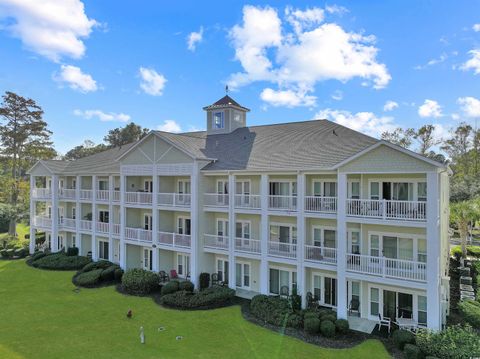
x=463 y=214
x=87 y=148
x=123 y=135
x=426 y=139
x=399 y=136
x=24 y=138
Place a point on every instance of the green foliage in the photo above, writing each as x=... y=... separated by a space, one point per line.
x=204 y=280
x=139 y=281
x=89 y=279
x=411 y=351
x=271 y=309
x=327 y=328
x=295 y=320
x=463 y=213
x=402 y=337
x=331 y=317
x=109 y=273
x=72 y=251
x=117 y=275
x=87 y=148
x=60 y=261
x=170 y=287
x=470 y=311
x=125 y=135
x=342 y=326
x=473 y=251
x=20 y=252
x=102 y=264
x=311 y=325
x=4 y=253
x=7 y=212
x=452 y=343
x=209 y=298
x=186 y=285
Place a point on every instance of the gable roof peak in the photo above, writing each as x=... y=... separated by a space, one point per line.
x=225 y=101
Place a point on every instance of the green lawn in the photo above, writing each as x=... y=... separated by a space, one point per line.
x=43 y=317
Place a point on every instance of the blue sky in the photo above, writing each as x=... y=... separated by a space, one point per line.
x=92 y=65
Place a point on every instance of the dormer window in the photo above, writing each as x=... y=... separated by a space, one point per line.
x=218 y=120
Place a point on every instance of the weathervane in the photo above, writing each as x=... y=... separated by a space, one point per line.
x=226 y=89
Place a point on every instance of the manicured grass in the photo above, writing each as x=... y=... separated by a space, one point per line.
x=43 y=317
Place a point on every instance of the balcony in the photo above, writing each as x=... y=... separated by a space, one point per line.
x=317 y=204
x=174 y=239
x=321 y=254
x=387 y=210
x=116 y=229
x=67 y=223
x=215 y=200
x=86 y=194
x=138 y=234
x=138 y=198
x=42 y=221
x=102 y=195
x=247 y=201
x=116 y=196
x=41 y=193
x=102 y=227
x=387 y=267
x=215 y=242
x=285 y=203
x=67 y=193
x=279 y=249
x=85 y=225
x=174 y=199
x=247 y=245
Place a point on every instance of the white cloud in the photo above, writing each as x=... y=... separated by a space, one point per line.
x=169 y=126
x=287 y=98
x=430 y=108
x=473 y=63
x=102 y=116
x=51 y=28
x=194 y=38
x=76 y=79
x=152 y=82
x=366 y=122
x=476 y=27
x=390 y=106
x=296 y=60
x=470 y=106
x=435 y=61
x=337 y=95
x=455 y=116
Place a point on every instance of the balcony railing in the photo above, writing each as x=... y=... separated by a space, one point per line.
x=116 y=196
x=248 y=201
x=216 y=200
x=216 y=242
x=321 y=254
x=174 y=199
x=85 y=225
x=138 y=234
x=116 y=229
x=102 y=195
x=68 y=223
x=321 y=204
x=280 y=249
x=67 y=193
x=387 y=267
x=386 y=209
x=86 y=194
x=41 y=192
x=288 y=203
x=102 y=227
x=138 y=198
x=247 y=245
x=42 y=221
x=174 y=239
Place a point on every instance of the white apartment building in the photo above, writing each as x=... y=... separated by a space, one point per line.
x=308 y=205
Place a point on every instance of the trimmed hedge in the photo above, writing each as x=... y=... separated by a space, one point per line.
x=60 y=261
x=470 y=311
x=204 y=280
x=117 y=275
x=101 y=264
x=273 y=310
x=108 y=273
x=140 y=282
x=295 y=320
x=311 y=325
x=88 y=279
x=402 y=337
x=186 y=285
x=209 y=298
x=412 y=352
x=72 y=251
x=327 y=328
x=342 y=326
x=170 y=287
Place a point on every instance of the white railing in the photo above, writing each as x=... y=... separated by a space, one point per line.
x=174 y=239
x=321 y=204
x=116 y=196
x=174 y=199
x=214 y=241
x=85 y=194
x=247 y=245
x=67 y=193
x=42 y=221
x=102 y=227
x=251 y=201
x=116 y=229
x=386 y=209
x=216 y=200
x=41 y=192
x=321 y=254
x=85 y=225
x=138 y=234
x=280 y=249
x=387 y=267
x=102 y=195
x=68 y=223
x=288 y=203
x=138 y=197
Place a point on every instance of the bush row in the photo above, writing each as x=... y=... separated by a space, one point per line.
x=13 y=253
x=473 y=251
x=98 y=273
x=140 y=282
x=58 y=261
x=208 y=298
x=470 y=311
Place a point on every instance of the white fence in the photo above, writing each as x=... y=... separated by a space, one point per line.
x=385 y=209
x=321 y=204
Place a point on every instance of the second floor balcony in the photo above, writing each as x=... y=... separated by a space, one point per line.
x=286 y=203
x=326 y=255
x=280 y=249
x=138 y=234
x=41 y=193
x=174 y=199
x=67 y=223
x=138 y=198
x=172 y=239
x=387 y=209
x=215 y=242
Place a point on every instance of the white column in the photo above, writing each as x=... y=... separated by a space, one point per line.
x=155 y=187
x=194 y=225
x=123 y=247
x=94 y=218
x=54 y=241
x=110 y=217
x=264 y=235
x=231 y=232
x=301 y=237
x=78 y=214
x=433 y=252
x=32 y=215
x=342 y=247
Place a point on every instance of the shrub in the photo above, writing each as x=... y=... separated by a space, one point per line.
x=296 y=300
x=311 y=325
x=38 y=255
x=88 y=279
x=101 y=264
x=3 y=253
x=402 y=337
x=310 y=314
x=204 y=280
x=331 y=317
x=327 y=328
x=139 y=281
x=471 y=312
x=453 y=342
x=412 y=352
x=108 y=274
x=295 y=320
x=170 y=287
x=186 y=285
x=10 y=252
x=342 y=326
x=20 y=252
x=72 y=251
x=208 y=298
x=59 y=261
x=473 y=251
x=273 y=310
x=117 y=275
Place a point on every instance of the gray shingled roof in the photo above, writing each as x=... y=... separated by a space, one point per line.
x=225 y=101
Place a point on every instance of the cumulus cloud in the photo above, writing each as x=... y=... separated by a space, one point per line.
x=152 y=82
x=301 y=50
x=430 y=108
x=194 y=38
x=76 y=79
x=473 y=63
x=476 y=27
x=337 y=95
x=390 y=106
x=287 y=98
x=102 y=116
x=51 y=28
x=470 y=106
x=170 y=126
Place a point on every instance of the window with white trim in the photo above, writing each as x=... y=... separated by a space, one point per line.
x=222 y=230
x=74 y=212
x=242 y=229
x=148 y=186
x=103 y=216
x=422 y=310
x=147 y=259
x=147 y=221
x=374 y=245
x=183 y=265
x=103 y=250
x=242 y=274
x=374 y=301
x=375 y=190
x=183 y=225
x=330 y=189
x=354 y=190
x=222 y=269
x=103 y=185
x=218 y=120
x=279 y=278
x=422 y=191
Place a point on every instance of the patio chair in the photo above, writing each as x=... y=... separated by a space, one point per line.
x=284 y=291
x=312 y=301
x=163 y=276
x=187 y=277
x=384 y=322
x=214 y=277
x=354 y=306
x=173 y=274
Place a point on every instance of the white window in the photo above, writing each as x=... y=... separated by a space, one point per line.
x=74 y=183
x=218 y=120
x=74 y=240
x=317 y=188
x=147 y=259
x=354 y=241
x=375 y=190
x=325 y=290
x=242 y=229
x=354 y=290
x=242 y=274
x=422 y=310
x=74 y=212
x=242 y=189
x=222 y=187
x=148 y=186
x=49 y=210
x=222 y=269
x=103 y=216
x=354 y=190
x=147 y=221
x=183 y=225
x=323 y=237
x=282 y=278
x=103 y=185
x=330 y=189
x=283 y=188
x=283 y=233
x=184 y=187
x=422 y=191
x=374 y=302
x=183 y=265
x=374 y=245
x=103 y=250
x=237 y=117
x=422 y=250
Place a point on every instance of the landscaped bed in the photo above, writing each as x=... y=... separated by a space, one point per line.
x=58 y=261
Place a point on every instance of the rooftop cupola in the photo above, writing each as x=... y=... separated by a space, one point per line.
x=225 y=116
